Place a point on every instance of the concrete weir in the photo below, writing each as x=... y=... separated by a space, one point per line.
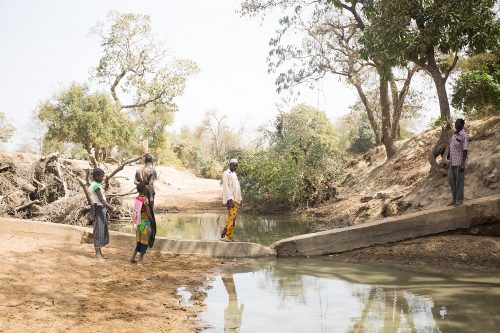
x=76 y=234
x=394 y=229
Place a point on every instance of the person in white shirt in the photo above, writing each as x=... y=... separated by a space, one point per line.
x=231 y=197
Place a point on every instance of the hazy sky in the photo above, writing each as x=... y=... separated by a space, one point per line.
x=46 y=46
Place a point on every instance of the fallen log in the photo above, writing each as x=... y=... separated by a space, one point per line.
x=61 y=179
x=28 y=205
x=5 y=168
x=85 y=190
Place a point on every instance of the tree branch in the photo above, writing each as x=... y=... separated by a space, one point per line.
x=28 y=205
x=120 y=168
x=455 y=60
x=140 y=105
x=115 y=84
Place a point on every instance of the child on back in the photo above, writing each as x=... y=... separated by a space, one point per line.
x=142 y=219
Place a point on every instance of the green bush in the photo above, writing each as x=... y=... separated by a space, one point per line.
x=299 y=167
x=477 y=91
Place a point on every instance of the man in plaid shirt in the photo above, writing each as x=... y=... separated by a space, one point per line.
x=457 y=156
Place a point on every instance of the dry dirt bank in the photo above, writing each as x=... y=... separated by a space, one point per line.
x=52 y=286
x=452 y=251
x=375 y=187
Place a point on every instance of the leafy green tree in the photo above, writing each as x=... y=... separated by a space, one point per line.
x=432 y=34
x=6 y=129
x=134 y=63
x=360 y=137
x=300 y=164
x=92 y=120
x=305 y=134
x=477 y=91
x=329 y=44
x=140 y=74
x=151 y=123
x=426 y=32
x=191 y=150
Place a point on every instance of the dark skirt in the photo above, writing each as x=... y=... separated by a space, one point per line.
x=153 y=223
x=101 y=233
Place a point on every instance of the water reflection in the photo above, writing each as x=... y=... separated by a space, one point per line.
x=320 y=296
x=249 y=228
x=233 y=313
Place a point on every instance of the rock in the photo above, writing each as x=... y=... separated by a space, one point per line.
x=382 y=195
x=362 y=209
x=474 y=230
x=87 y=237
x=366 y=199
x=492 y=177
x=390 y=209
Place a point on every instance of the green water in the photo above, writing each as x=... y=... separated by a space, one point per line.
x=249 y=228
x=314 y=295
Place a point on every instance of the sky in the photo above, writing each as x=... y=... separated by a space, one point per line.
x=46 y=46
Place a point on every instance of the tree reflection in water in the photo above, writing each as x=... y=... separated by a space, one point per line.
x=297 y=295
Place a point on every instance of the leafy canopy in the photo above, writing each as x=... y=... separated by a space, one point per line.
x=409 y=29
x=477 y=91
x=75 y=115
x=136 y=65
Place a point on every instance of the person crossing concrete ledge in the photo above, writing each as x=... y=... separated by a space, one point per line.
x=231 y=197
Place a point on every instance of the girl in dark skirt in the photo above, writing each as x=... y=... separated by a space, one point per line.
x=98 y=200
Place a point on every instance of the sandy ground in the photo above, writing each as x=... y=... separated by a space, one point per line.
x=460 y=252
x=52 y=286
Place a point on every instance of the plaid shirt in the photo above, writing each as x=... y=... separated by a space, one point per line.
x=458 y=144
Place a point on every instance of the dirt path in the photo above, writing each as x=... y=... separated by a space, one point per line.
x=57 y=287
x=178 y=190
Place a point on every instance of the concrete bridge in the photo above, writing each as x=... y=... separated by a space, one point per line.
x=80 y=235
x=394 y=229
x=433 y=221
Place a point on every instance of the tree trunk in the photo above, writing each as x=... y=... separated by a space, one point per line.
x=440 y=148
x=446 y=131
x=387 y=138
x=440 y=83
x=431 y=67
x=369 y=113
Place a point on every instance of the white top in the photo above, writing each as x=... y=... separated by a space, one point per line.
x=230 y=187
x=93 y=196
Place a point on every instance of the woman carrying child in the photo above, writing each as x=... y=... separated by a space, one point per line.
x=98 y=200
x=143 y=220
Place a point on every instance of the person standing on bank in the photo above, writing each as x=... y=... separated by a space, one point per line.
x=147 y=175
x=98 y=200
x=457 y=156
x=231 y=197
